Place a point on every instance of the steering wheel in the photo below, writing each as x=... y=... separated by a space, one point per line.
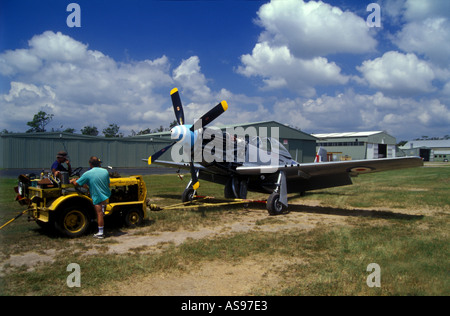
x=76 y=172
x=81 y=190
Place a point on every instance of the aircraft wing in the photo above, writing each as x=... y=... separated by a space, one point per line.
x=352 y=167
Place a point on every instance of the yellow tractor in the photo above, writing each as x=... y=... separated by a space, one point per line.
x=57 y=204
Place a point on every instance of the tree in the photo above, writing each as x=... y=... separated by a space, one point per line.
x=40 y=120
x=173 y=124
x=69 y=130
x=112 y=131
x=89 y=130
x=144 y=132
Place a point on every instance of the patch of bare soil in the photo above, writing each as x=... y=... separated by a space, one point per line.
x=209 y=279
x=217 y=277
x=29 y=259
x=255 y=220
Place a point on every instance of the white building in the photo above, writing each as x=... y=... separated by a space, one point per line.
x=429 y=150
x=357 y=145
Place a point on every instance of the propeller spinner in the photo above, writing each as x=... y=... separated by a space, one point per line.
x=182 y=132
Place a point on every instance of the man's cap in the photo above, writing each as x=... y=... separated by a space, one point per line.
x=61 y=154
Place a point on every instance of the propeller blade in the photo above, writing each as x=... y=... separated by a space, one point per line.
x=159 y=153
x=177 y=106
x=210 y=116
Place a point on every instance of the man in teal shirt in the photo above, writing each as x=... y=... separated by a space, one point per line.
x=98 y=181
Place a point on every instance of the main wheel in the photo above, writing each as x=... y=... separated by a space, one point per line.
x=73 y=221
x=274 y=206
x=236 y=189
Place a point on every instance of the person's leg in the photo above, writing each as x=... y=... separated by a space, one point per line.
x=100 y=220
x=99 y=211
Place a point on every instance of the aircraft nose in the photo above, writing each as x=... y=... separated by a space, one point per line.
x=175 y=133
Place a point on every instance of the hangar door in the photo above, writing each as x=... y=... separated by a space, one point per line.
x=375 y=151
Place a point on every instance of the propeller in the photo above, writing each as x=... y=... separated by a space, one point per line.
x=207 y=118
x=210 y=116
x=177 y=107
x=159 y=153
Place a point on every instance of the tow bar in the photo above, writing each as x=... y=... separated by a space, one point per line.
x=197 y=198
x=12 y=220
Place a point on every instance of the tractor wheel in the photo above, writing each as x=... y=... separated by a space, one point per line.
x=133 y=217
x=274 y=206
x=73 y=221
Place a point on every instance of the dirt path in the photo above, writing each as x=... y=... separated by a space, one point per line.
x=217 y=277
x=210 y=278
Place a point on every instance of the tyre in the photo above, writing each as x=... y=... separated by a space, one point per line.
x=237 y=186
x=274 y=206
x=228 y=190
x=188 y=195
x=133 y=217
x=73 y=221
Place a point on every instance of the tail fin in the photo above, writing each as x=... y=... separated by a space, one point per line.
x=321 y=155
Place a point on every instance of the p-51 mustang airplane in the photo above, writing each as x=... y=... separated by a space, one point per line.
x=241 y=171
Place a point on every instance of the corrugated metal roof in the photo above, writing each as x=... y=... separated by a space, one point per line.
x=442 y=143
x=348 y=134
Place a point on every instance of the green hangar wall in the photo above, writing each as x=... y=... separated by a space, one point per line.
x=38 y=150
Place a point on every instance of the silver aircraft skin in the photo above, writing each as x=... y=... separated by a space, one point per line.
x=239 y=169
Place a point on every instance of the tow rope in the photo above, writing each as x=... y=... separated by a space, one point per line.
x=192 y=204
x=13 y=219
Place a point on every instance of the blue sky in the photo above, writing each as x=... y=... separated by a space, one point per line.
x=314 y=65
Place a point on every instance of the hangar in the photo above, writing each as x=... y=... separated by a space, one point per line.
x=357 y=145
x=301 y=146
x=38 y=150
x=429 y=149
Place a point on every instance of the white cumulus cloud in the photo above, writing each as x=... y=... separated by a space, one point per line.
x=313 y=28
x=80 y=86
x=296 y=38
x=398 y=73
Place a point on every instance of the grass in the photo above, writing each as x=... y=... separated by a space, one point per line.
x=425 y=187
x=398 y=219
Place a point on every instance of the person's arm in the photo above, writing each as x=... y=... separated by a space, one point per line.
x=53 y=168
x=69 y=167
x=82 y=181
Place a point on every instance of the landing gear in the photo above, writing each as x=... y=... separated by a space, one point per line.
x=274 y=206
x=236 y=188
x=277 y=202
x=188 y=195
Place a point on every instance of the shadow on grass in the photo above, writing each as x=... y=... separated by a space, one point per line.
x=309 y=209
x=352 y=212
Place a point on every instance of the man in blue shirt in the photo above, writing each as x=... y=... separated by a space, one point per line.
x=57 y=166
x=98 y=181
